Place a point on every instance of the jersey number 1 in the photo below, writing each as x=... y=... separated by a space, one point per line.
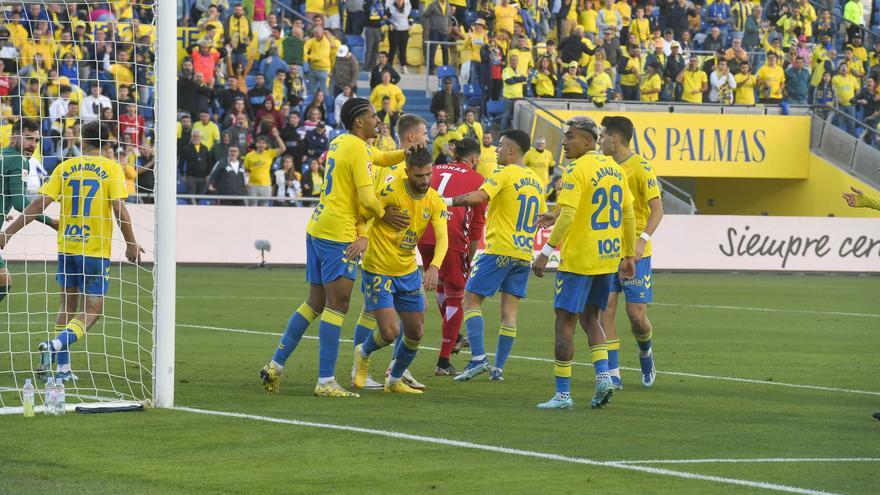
x=77 y=186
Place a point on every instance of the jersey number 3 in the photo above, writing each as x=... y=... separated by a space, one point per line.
x=602 y=197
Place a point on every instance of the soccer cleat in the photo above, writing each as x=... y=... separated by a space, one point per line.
x=361 y=368
x=371 y=383
x=44 y=370
x=333 y=389
x=448 y=371
x=408 y=379
x=472 y=369
x=648 y=371
x=65 y=376
x=618 y=383
x=399 y=387
x=604 y=391
x=558 y=403
x=496 y=374
x=271 y=377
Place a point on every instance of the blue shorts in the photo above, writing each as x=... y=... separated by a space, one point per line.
x=574 y=292
x=637 y=290
x=403 y=293
x=326 y=261
x=492 y=272
x=89 y=273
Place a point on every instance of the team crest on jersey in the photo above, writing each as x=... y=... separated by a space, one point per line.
x=446 y=214
x=426 y=213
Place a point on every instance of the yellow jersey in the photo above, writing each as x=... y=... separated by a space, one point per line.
x=488 y=161
x=393 y=92
x=744 y=94
x=349 y=162
x=634 y=65
x=391 y=251
x=775 y=76
x=643 y=186
x=516 y=197
x=540 y=163
x=651 y=83
x=258 y=165
x=597 y=188
x=845 y=88
x=691 y=82
x=85 y=187
x=441 y=140
x=385 y=175
x=599 y=86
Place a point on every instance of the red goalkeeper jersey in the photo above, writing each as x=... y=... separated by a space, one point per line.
x=466 y=224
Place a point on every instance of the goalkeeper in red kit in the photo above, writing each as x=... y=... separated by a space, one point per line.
x=465 y=229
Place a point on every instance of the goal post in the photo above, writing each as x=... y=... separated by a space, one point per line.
x=128 y=355
x=166 y=205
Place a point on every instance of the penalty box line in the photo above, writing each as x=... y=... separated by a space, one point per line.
x=545 y=360
x=509 y=451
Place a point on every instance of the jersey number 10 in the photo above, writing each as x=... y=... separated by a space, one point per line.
x=77 y=186
x=528 y=213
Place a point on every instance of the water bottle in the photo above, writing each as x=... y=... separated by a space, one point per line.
x=50 y=396
x=27 y=399
x=59 y=398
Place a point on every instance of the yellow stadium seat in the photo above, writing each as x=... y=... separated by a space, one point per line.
x=415 y=54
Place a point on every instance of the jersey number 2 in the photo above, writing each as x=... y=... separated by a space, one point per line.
x=77 y=186
x=601 y=197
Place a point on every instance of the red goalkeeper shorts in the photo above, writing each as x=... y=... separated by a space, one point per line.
x=453 y=271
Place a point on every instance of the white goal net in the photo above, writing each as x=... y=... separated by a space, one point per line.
x=65 y=67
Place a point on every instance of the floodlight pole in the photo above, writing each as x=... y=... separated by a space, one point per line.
x=165 y=146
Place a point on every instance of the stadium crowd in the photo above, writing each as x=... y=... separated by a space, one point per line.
x=261 y=87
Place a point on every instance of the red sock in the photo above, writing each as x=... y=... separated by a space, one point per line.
x=451 y=325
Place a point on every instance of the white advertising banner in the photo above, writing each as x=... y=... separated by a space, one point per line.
x=226 y=235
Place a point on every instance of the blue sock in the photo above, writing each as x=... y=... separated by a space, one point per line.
x=398 y=343
x=297 y=325
x=473 y=320
x=506 y=336
x=644 y=341
x=405 y=357
x=364 y=328
x=613 y=353
x=328 y=342
x=562 y=372
x=374 y=342
x=66 y=337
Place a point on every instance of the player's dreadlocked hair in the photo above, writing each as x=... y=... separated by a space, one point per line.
x=352 y=109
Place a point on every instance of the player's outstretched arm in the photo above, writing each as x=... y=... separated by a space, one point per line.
x=30 y=213
x=388 y=158
x=563 y=225
x=123 y=219
x=472 y=198
x=858 y=199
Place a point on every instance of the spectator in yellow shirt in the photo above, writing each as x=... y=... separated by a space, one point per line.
x=474 y=42
x=488 y=159
x=651 y=83
x=505 y=16
x=572 y=85
x=771 y=80
x=440 y=147
x=588 y=17
x=745 y=85
x=640 y=28
x=845 y=87
x=599 y=84
x=392 y=91
x=694 y=82
x=258 y=165
x=317 y=52
x=540 y=160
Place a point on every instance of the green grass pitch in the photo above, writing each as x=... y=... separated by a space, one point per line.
x=729 y=348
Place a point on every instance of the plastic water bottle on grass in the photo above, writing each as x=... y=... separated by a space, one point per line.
x=60 y=398
x=27 y=399
x=50 y=396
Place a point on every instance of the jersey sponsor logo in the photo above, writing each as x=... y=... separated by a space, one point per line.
x=609 y=248
x=501 y=261
x=77 y=233
x=652 y=183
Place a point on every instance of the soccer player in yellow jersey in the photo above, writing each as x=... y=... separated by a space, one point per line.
x=412 y=130
x=516 y=196
x=595 y=227
x=91 y=192
x=617 y=133
x=334 y=242
x=392 y=281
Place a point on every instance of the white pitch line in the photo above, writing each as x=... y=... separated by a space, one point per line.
x=545 y=360
x=510 y=451
x=765 y=460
